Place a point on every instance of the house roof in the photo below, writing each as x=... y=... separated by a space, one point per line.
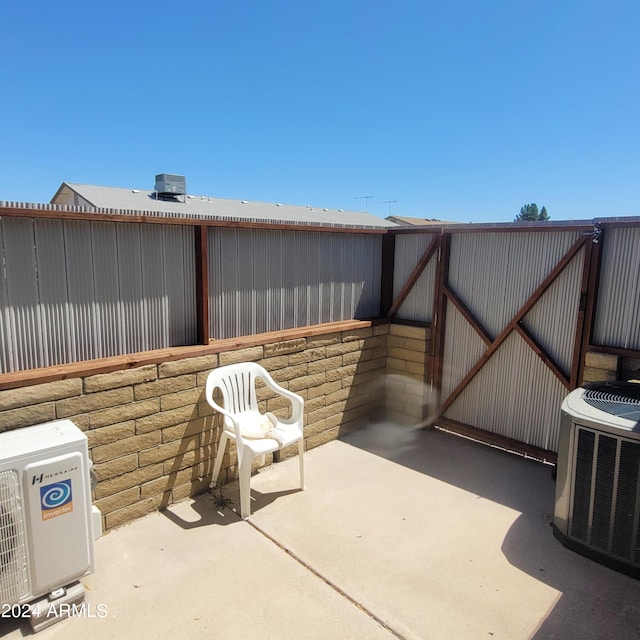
x=191 y=206
x=415 y=221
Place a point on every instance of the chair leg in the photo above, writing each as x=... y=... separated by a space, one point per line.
x=301 y=456
x=219 y=456
x=245 y=486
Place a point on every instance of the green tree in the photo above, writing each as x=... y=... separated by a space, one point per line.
x=530 y=212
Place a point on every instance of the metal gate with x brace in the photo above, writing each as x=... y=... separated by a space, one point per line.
x=507 y=328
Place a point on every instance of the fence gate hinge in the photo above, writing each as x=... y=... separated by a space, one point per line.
x=583 y=301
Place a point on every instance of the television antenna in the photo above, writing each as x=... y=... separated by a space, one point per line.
x=389 y=202
x=366 y=201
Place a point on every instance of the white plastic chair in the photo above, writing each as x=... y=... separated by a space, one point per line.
x=244 y=423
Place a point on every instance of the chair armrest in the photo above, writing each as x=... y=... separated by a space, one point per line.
x=227 y=414
x=297 y=402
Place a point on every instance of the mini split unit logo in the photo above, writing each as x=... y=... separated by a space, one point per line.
x=56 y=499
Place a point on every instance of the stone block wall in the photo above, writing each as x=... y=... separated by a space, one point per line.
x=407 y=391
x=600 y=367
x=152 y=436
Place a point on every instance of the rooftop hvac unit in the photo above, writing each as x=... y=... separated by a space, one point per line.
x=597 y=509
x=168 y=184
x=47 y=523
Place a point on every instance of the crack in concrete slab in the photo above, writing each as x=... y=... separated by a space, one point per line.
x=328 y=582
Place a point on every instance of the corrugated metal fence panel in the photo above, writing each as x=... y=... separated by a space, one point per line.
x=616 y=322
x=225 y=274
x=21 y=312
x=130 y=289
x=74 y=291
x=6 y=350
x=177 y=264
x=82 y=327
x=167 y=303
x=164 y=294
x=462 y=349
x=187 y=316
x=106 y=288
x=52 y=288
x=268 y=280
x=495 y=273
x=552 y=321
x=418 y=305
x=515 y=394
x=155 y=308
x=366 y=289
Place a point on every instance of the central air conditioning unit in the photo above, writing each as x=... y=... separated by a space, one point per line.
x=597 y=508
x=47 y=522
x=169 y=184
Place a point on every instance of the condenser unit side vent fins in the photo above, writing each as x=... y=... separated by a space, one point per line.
x=582 y=487
x=626 y=526
x=605 y=509
x=14 y=580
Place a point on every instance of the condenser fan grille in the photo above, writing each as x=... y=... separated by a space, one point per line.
x=621 y=400
x=606 y=498
x=13 y=563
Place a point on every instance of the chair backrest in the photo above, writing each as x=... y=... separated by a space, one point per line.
x=237 y=383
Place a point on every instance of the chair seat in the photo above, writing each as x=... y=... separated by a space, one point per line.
x=259 y=446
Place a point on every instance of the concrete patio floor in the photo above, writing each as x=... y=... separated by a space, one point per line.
x=400 y=534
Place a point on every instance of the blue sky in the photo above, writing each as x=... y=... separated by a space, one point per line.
x=459 y=110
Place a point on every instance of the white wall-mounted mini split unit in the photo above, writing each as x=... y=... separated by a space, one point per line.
x=47 y=522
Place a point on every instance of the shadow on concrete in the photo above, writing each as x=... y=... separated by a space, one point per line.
x=9 y=625
x=595 y=601
x=204 y=512
x=261 y=500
